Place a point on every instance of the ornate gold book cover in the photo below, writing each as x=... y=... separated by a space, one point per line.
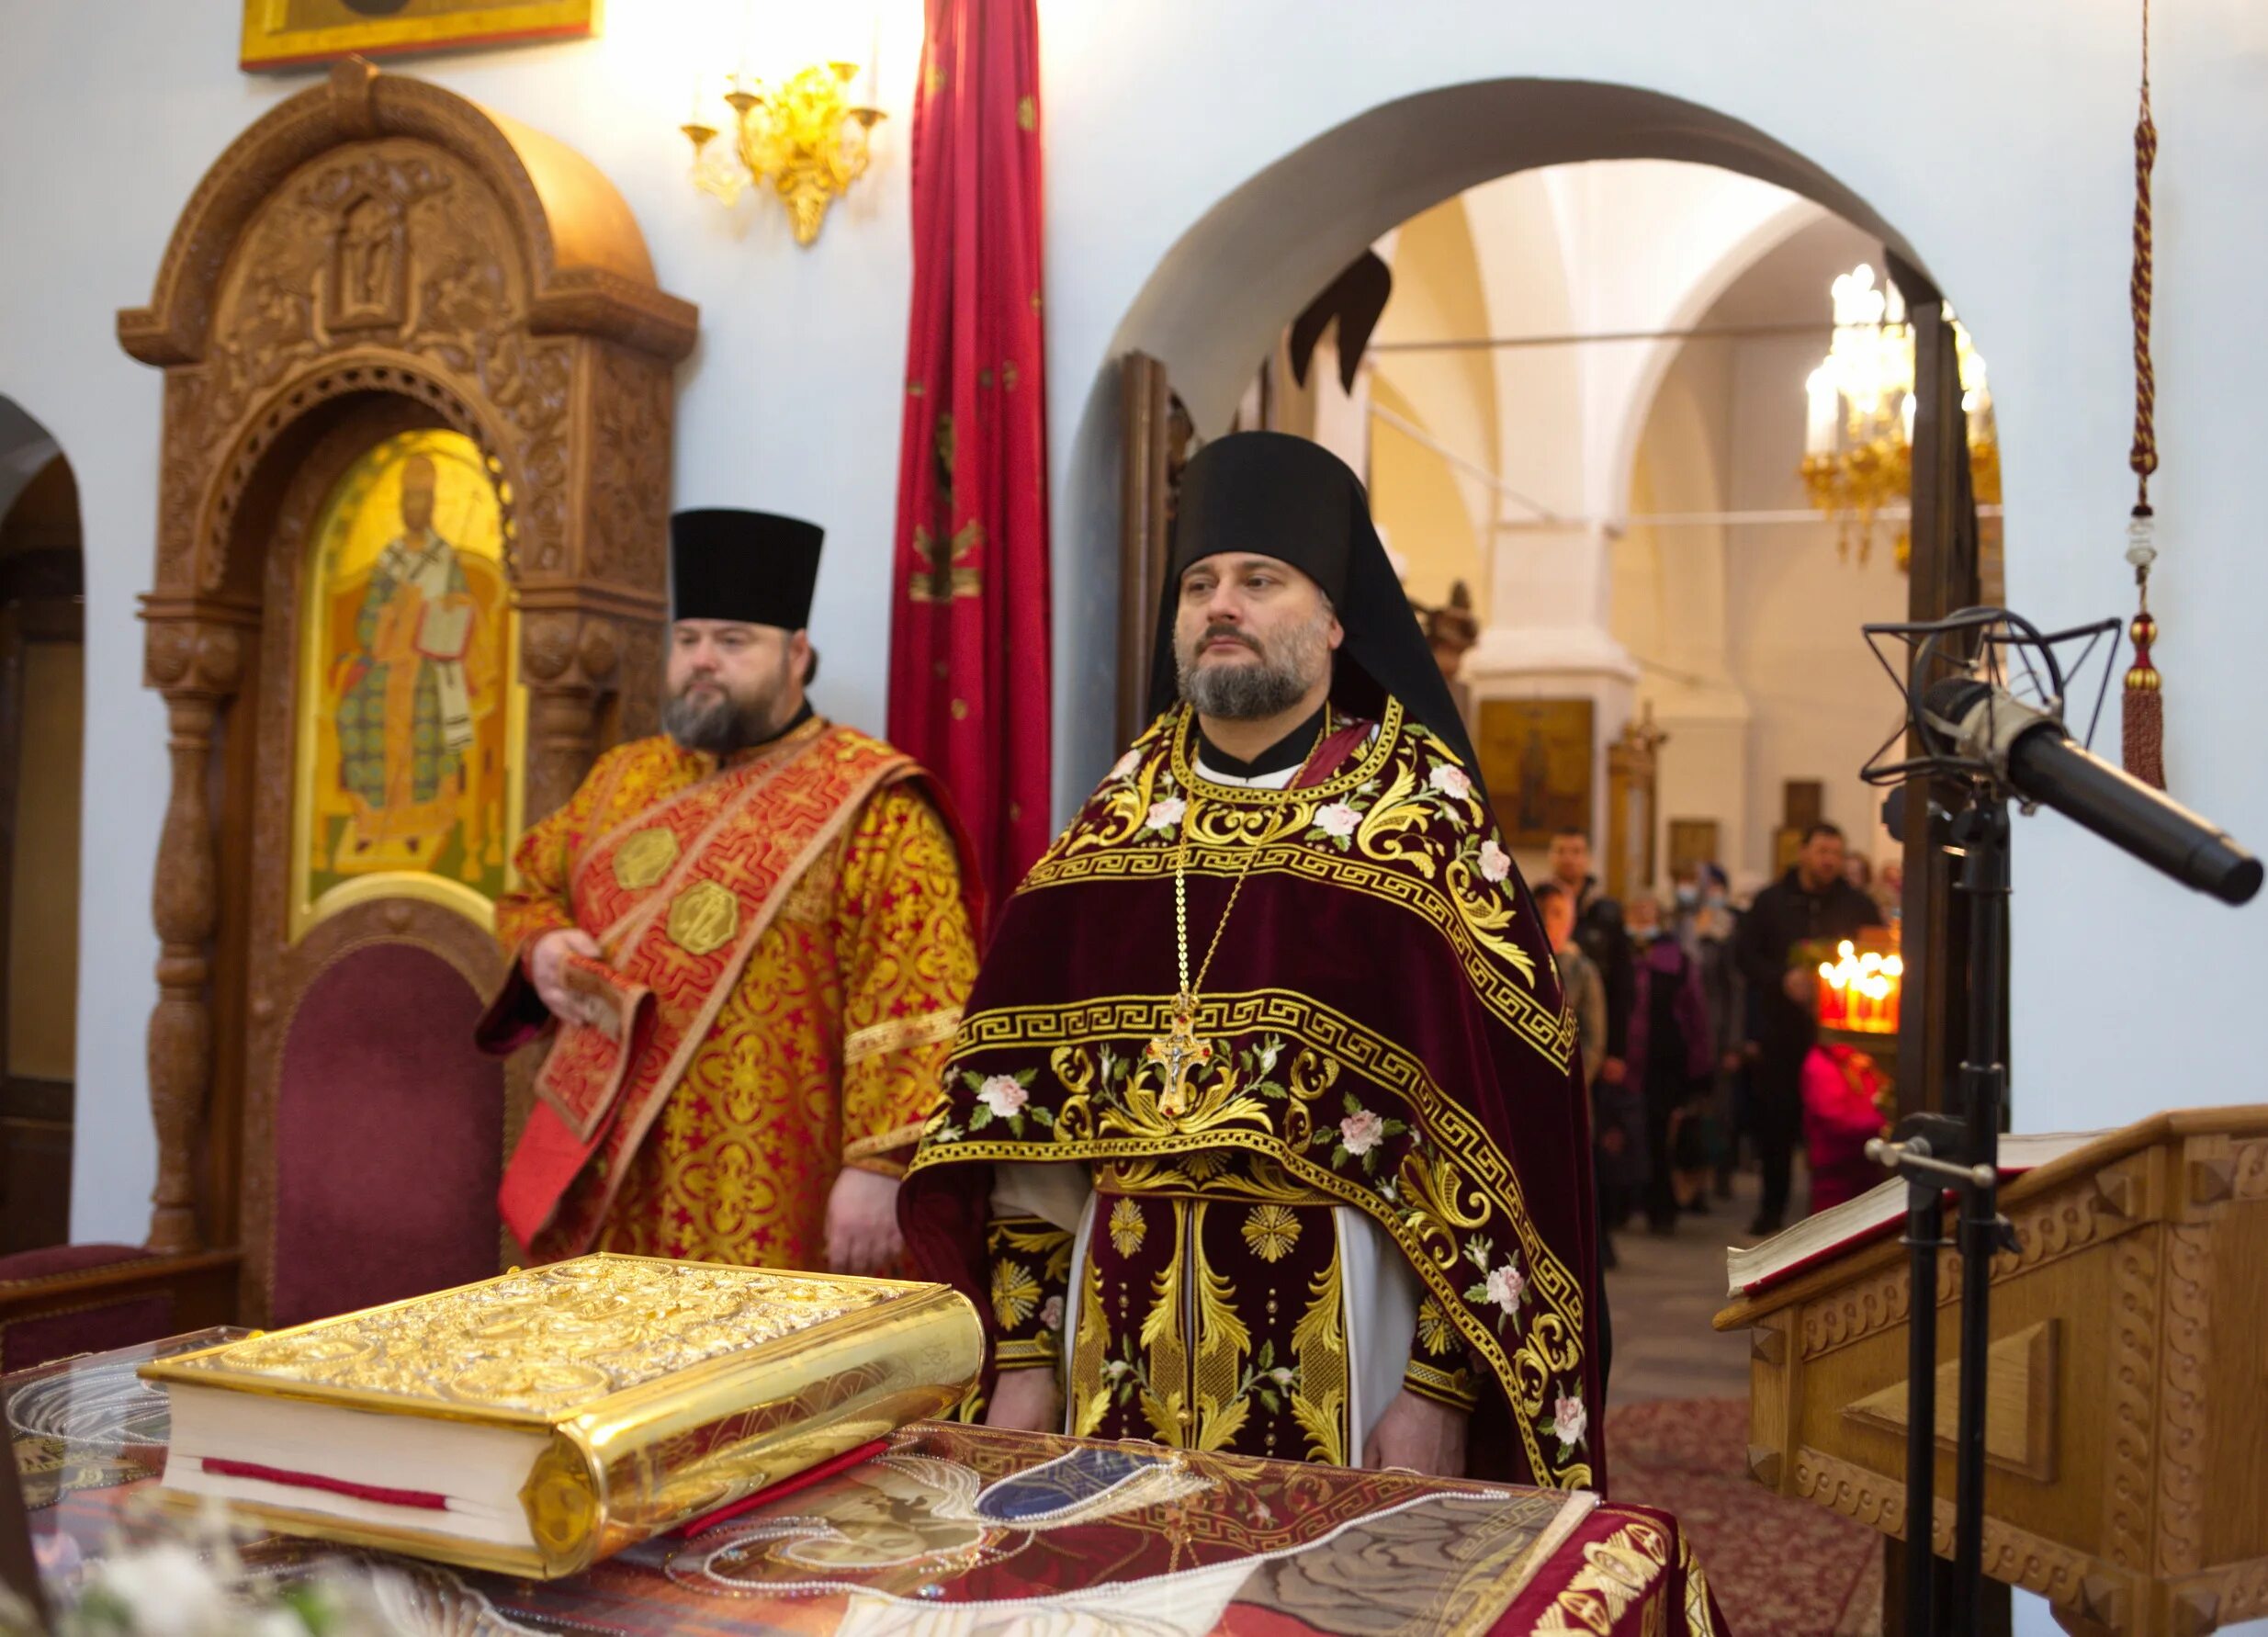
x=620 y=1395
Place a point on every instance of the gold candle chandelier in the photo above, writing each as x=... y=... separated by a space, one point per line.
x=804 y=138
x=1858 y=433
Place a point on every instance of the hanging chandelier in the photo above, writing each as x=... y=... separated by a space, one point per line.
x=1859 y=430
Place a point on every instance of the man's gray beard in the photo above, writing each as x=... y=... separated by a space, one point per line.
x=1248 y=692
x=720 y=729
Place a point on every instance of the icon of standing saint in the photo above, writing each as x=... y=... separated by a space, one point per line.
x=409 y=693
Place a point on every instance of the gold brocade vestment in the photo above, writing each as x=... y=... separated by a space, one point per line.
x=825 y=1054
x=1375 y=1179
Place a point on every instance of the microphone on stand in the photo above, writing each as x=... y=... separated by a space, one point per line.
x=2029 y=750
x=1981 y=745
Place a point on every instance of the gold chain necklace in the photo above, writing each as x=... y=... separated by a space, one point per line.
x=1178 y=1050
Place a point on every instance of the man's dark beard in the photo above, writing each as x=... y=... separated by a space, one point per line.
x=1247 y=693
x=719 y=726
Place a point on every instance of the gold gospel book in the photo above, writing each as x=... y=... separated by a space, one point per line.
x=534 y=1423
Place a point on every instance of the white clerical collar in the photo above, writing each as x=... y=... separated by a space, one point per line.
x=1278 y=780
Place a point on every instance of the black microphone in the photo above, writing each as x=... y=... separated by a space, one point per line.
x=2030 y=751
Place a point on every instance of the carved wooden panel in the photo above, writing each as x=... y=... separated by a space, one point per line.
x=374 y=255
x=2185 y=1340
x=2128 y=1474
x=2140 y=1255
x=2020 y=1403
x=2011 y=1555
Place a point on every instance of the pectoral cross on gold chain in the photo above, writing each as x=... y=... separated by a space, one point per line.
x=1179 y=1052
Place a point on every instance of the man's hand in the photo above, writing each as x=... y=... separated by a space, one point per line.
x=547 y=966
x=1421 y=1435
x=862 y=1223
x=1026 y=1401
x=1612 y=1070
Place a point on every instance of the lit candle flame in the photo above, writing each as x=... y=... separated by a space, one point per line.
x=1859 y=991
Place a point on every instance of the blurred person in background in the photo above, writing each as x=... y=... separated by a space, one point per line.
x=1670 y=1058
x=1715 y=925
x=1846 y=1106
x=1599 y=929
x=1812 y=903
x=1585 y=990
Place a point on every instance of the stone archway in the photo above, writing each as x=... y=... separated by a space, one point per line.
x=374 y=255
x=1217 y=297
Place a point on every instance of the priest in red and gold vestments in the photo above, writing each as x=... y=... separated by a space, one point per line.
x=1264 y=1131
x=749 y=937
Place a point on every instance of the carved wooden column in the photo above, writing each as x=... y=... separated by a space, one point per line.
x=195 y=659
x=570 y=661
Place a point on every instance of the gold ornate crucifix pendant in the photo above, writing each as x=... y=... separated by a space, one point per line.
x=1178 y=1052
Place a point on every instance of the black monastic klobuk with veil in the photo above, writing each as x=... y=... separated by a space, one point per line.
x=1383 y=945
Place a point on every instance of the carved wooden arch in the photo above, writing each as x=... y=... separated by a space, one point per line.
x=377 y=238
x=292 y=404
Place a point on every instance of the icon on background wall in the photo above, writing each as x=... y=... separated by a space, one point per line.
x=1536 y=757
x=298 y=33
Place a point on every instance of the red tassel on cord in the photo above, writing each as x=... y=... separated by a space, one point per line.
x=2144 y=736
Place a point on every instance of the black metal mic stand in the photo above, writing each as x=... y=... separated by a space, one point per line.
x=1974 y=720
x=1981 y=833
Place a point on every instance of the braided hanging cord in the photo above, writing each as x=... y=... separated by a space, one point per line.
x=2143 y=713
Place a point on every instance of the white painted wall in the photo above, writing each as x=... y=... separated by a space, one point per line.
x=2003 y=161
x=790 y=403
x=1437 y=516
x=1672 y=588
x=1757 y=658
x=2006 y=170
x=2003 y=164
x=1627 y=248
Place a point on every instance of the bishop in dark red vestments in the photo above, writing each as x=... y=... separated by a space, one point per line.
x=1263 y=1131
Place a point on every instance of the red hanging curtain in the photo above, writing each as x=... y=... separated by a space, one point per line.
x=969 y=669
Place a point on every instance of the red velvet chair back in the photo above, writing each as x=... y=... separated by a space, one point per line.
x=389 y=1137
x=93 y=1322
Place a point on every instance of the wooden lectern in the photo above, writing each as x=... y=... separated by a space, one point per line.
x=2127 y=1426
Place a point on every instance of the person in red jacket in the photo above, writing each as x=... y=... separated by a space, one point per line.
x=1842 y=1097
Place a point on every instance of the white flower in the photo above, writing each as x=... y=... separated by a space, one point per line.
x=1569 y=1419
x=1051 y=1313
x=1166 y=814
x=1361 y=1130
x=1270 y=1049
x=1126 y=764
x=1003 y=1096
x=1451 y=781
x=1506 y=1285
x=1337 y=820
x=1281 y=1376
x=1496 y=863
x=166 y=1590
x=1115 y=1369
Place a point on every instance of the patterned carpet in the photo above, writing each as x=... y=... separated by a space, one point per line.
x=1780 y=1567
